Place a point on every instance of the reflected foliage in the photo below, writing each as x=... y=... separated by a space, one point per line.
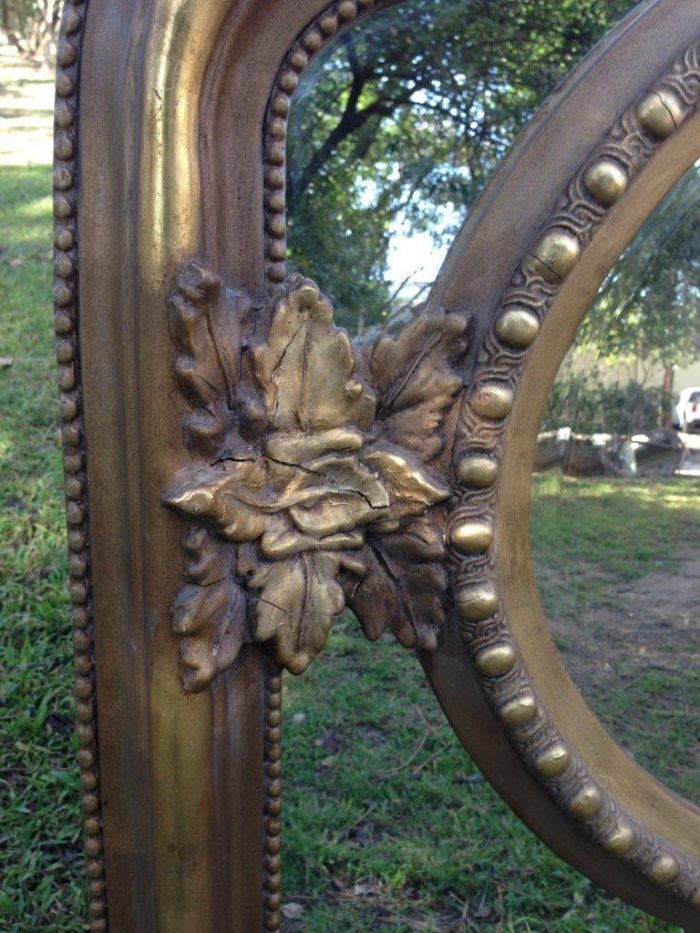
x=628 y=360
x=584 y=400
x=399 y=124
x=650 y=306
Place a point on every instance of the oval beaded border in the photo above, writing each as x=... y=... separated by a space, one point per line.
x=65 y=298
x=602 y=180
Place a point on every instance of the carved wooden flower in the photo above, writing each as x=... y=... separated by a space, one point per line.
x=312 y=457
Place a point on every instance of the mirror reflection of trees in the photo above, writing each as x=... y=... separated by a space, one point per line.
x=633 y=349
x=616 y=497
x=398 y=125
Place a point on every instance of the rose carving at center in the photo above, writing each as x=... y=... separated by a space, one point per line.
x=311 y=480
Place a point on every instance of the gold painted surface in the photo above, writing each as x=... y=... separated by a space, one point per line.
x=519 y=711
x=664 y=869
x=292 y=473
x=476 y=602
x=556 y=255
x=660 y=113
x=492 y=400
x=606 y=180
x=586 y=803
x=180 y=38
x=471 y=537
x=495 y=661
x=621 y=840
x=517 y=327
x=477 y=470
x=553 y=761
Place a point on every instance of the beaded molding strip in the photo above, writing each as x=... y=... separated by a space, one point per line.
x=327 y=25
x=272 y=895
x=314 y=38
x=478 y=449
x=65 y=297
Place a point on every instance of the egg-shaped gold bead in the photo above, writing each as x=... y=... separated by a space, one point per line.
x=517 y=327
x=495 y=661
x=664 y=869
x=553 y=761
x=586 y=802
x=492 y=400
x=476 y=602
x=476 y=469
x=518 y=711
x=471 y=537
x=620 y=841
x=556 y=255
x=606 y=180
x=660 y=113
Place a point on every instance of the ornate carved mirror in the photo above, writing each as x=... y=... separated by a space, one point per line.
x=239 y=470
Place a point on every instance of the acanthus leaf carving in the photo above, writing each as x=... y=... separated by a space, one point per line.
x=209 y=613
x=403 y=587
x=415 y=380
x=311 y=473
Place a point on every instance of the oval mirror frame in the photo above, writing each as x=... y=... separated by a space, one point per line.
x=601 y=153
x=628 y=813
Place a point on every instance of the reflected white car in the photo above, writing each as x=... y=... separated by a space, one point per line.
x=687 y=414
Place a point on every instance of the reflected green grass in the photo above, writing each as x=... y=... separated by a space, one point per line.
x=617 y=563
x=624 y=529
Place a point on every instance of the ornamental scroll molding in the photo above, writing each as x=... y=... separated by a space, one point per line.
x=315 y=479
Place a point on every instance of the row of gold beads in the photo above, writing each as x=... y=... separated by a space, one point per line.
x=314 y=38
x=66 y=324
x=296 y=61
x=272 y=897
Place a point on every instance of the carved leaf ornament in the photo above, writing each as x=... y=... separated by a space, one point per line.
x=310 y=486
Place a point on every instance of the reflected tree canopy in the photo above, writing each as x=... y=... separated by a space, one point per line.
x=398 y=125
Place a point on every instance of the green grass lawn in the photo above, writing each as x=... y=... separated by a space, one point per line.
x=40 y=847
x=388 y=825
x=618 y=564
x=624 y=528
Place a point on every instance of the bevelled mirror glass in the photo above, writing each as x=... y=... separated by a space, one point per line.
x=615 y=519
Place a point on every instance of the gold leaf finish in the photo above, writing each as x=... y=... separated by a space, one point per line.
x=308 y=454
x=660 y=113
x=305 y=367
x=296 y=603
x=606 y=180
x=476 y=602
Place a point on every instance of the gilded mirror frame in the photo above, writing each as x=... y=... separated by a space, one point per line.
x=170 y=123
